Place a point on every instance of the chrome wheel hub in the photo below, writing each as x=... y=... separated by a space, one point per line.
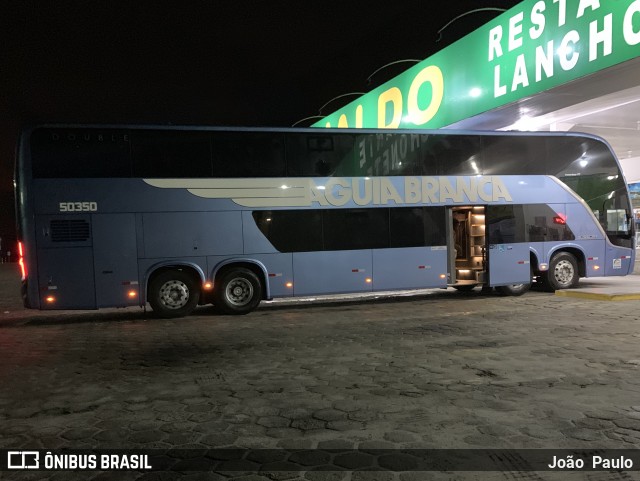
x=174 y=294
x=239 y=292
x=564 y=272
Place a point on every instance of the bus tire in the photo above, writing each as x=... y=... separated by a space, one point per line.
x=238 y=291
x=173 y=293
x=563 y=272
x=513 y=289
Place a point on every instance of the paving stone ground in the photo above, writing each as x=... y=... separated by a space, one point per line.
x=440 y=370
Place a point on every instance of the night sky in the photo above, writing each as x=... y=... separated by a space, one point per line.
x=238 y=62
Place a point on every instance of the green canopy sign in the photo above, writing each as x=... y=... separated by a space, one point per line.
x=537 y=45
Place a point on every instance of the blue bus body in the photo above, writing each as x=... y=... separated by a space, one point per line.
x=114 y=240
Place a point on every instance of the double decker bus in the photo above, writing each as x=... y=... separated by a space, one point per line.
x=116 y=216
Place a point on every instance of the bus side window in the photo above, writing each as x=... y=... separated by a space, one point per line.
x=349 y=229
x=505 y=224
x=417 y=226
x=248 y=154
x=454 y=155
x=320 y=155
x=291 y=230
x=170 y=153
x=544 y=224
x=80 y=153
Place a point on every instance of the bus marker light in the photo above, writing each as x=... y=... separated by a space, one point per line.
x=443 y=276
x=208 y=286
x=21 y=263
x=23 y=268
x=368 y=280
x=596 y=268
x=289 y=284
x=132 y=294
x=50 y=299
x=544 y=267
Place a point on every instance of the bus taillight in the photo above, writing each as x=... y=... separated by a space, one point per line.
x=21 y=261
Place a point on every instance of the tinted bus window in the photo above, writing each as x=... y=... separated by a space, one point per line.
x=505 y=224
x=291 y=230
x=346 y=229
x=170 y=153
x=248 y=154
x=453 y=155
x=319 y=155
x=515 y=155
x=544 y=224
x=389 y=154
x=417 y=226
x=75 y=153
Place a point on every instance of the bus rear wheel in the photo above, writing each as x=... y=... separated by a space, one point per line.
x=563 y=272
x=173 y=293
x=238 y=291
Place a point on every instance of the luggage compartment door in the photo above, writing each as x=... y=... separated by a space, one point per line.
x=508 y=253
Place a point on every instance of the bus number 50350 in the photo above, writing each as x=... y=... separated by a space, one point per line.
x=78 y=206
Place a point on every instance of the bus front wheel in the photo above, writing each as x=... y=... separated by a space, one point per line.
x=173 y=293
x=563 y=272
x=238 y=291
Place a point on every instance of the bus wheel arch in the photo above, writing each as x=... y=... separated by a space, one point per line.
x=174 y=290
x=239 y=287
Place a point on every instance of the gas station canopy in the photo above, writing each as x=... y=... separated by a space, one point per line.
x=554 y=65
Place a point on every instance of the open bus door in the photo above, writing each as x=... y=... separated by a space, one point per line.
x=507 y=252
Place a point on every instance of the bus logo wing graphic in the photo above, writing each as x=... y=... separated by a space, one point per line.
x=291 y=192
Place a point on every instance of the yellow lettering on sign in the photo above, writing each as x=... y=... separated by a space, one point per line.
x=432 y=75
x=393 y=96
x=359 y=117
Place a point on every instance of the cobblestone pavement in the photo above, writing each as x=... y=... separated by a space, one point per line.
x=442 y=370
